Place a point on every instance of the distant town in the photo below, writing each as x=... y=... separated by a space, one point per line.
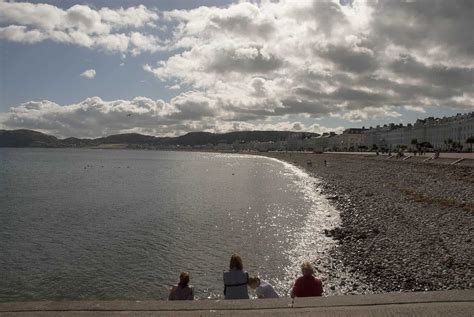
x=454 y=133
x=448 y=134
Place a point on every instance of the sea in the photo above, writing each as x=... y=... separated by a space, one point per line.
x=93 y=224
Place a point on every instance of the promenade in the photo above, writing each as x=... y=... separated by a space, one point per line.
x=461 y=159
x=442 y=303
x=452 y=155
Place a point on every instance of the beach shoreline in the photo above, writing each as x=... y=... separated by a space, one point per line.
x=405 y=226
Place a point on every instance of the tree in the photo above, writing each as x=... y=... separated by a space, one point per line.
x=415 y=143
x=450 y=144
x=426 y=145
x=456 y=146
x=470 y=140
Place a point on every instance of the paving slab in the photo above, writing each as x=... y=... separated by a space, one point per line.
x=151 y=305
x=386 y=299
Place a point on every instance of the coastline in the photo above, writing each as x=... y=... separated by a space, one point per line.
x=405 y=226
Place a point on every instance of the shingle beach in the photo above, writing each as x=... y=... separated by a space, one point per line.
x=405 y=225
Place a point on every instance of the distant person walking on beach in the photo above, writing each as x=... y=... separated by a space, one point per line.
x=235 y=280
x=307 y=285
x=262 y=288
x=182 y=291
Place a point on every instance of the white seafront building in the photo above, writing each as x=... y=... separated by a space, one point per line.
x=435 y=131
x=350 y=140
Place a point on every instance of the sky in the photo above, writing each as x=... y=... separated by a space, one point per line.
x=165 y=68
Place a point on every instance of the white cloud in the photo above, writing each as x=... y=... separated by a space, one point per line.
x=174 y=87
x=18 y=33
x=89 y=118
x=415 y=109
x=94 y=117
x=112 y=30
x=135 y=17
x=256 y=64
x=89 y=74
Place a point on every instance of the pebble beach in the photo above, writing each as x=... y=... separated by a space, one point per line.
x=405 y=225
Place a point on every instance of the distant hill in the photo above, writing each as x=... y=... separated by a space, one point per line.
x=76 y=142
x=202 y=138
x=130 y=138
x=30 y=138
x=27 y=138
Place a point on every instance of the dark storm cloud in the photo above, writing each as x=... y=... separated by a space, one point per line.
x=249 y=60
x=345 y=93
x=327 y=14
x=244 y=25
x=406 y=91
x=435 y=74
x=295 y=105
x=192 y=109
x=422 y=23
x=355 y=60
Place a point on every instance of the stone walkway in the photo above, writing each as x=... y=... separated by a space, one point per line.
x=443 y=303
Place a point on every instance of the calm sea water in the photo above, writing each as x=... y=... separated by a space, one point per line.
x=119 y=224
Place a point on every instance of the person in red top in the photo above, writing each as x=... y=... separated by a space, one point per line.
x=307 y=285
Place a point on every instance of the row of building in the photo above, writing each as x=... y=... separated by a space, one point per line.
x=437 y=133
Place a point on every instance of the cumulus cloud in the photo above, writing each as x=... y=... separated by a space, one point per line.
x=322 y=58
x=256 y=64
x=89 y=74
x=111 y=30
x=89 y=118
x=94 y=117
x=19 y=33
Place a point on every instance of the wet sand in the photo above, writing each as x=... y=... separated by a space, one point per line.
x=406 y=225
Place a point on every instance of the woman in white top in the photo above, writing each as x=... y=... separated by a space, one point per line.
x=235 y=280
x=262 y=288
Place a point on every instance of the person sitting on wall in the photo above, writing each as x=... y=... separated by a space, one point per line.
x=307 y=285
x=262 y=288
x=235 y=280
x=182 y=291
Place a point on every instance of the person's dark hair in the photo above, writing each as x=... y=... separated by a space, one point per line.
x=183 y=279
x=236 y=263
